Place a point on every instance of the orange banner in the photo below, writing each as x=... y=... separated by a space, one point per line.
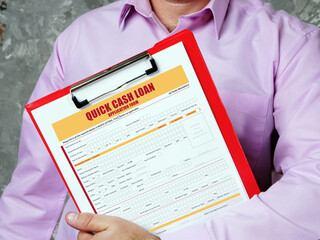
x=120 y=103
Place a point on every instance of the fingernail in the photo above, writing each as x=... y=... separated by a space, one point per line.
x=72 y=217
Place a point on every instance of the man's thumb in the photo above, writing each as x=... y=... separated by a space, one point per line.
x=86 y=222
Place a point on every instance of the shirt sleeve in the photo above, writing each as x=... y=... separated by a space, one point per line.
x=290 y=208
x=31 y=204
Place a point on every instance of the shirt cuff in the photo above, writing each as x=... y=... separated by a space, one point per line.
x=198 y=232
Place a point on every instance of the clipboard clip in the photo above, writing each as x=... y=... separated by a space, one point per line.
x=73 y=88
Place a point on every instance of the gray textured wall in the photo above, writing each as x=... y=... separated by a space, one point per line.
x=27 y=33
x=28 y=30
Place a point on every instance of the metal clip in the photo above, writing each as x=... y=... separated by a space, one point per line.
x=80 y=104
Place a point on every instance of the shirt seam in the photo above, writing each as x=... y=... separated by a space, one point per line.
x=263 y=136
x=57 y=216
x=207 y=231
x=301 y=32
x=294 y=49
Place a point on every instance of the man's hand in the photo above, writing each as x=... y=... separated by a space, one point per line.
x=106 y=228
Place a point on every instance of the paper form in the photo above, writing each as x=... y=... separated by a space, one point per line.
x=151 y=153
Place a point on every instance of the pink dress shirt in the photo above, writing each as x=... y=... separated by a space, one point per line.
x=266 y=66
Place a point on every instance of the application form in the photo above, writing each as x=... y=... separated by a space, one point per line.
x=151 y=153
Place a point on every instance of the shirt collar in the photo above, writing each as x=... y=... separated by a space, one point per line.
x=218 y=8
x=143 y=7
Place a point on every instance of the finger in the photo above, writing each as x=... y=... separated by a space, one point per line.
x=85 y=236
x=87 y=222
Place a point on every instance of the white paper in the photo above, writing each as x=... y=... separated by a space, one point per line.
x=175 y=176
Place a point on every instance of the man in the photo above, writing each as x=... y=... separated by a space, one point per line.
x=265 y=65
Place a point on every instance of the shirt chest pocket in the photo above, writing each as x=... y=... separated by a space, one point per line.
x=248 y=115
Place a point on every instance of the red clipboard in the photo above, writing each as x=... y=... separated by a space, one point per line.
x=216 y=105
x=211 y=94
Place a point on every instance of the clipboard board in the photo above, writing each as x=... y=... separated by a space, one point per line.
x=159 y=139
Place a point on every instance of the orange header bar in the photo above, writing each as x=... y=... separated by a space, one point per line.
x=120 y=103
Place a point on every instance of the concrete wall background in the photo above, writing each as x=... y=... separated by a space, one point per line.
x=28 y=30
